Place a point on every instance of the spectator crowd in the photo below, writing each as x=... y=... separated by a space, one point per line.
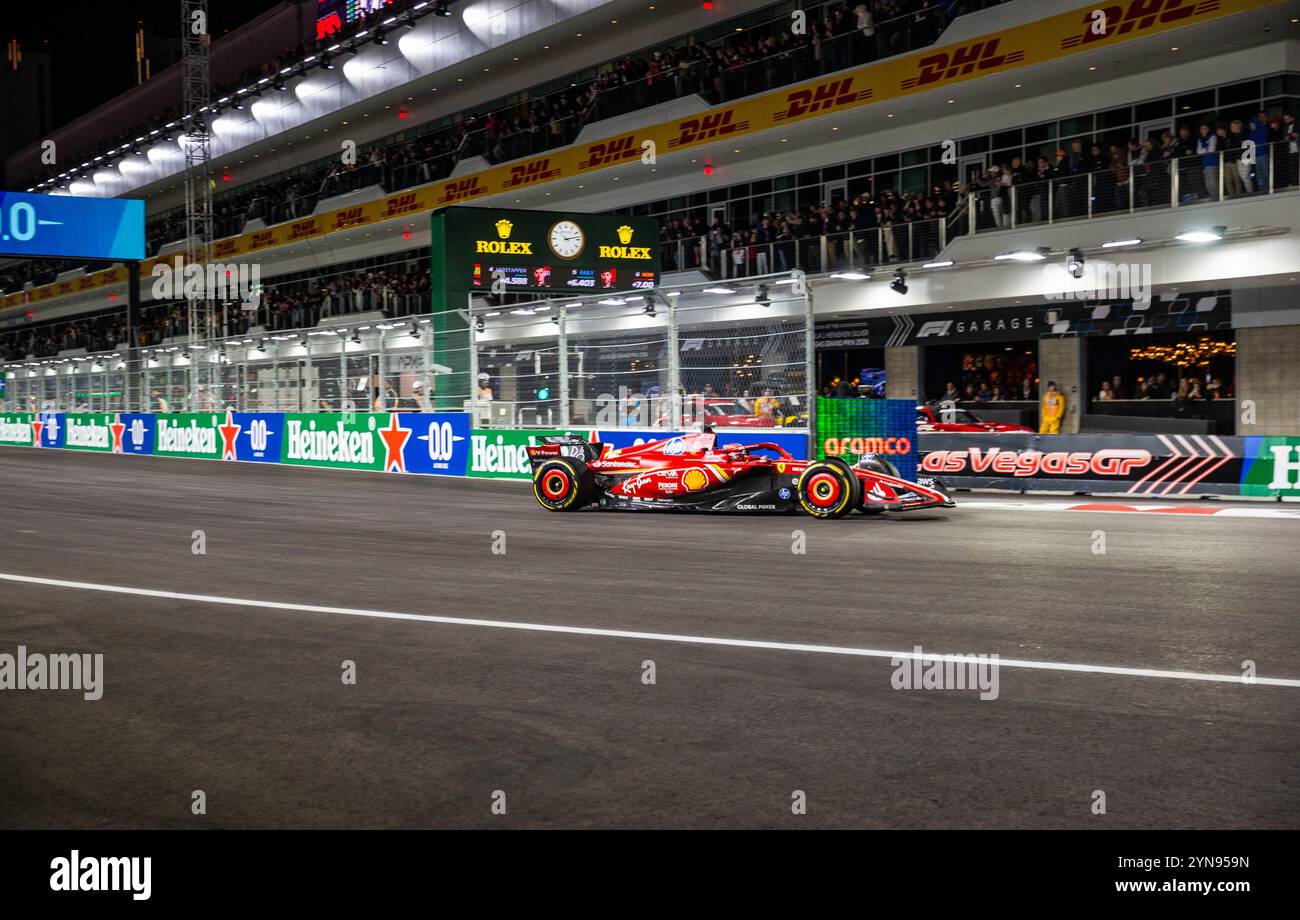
x=291 y=305
x=836 y=35
x=1253 y=154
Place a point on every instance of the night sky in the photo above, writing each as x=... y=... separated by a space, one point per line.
x=93 y=45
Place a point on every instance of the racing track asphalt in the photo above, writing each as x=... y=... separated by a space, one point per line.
x=247 y=704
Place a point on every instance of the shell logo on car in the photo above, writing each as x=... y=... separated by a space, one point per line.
x=694 y=480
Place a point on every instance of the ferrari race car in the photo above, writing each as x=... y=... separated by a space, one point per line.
x=692 y=473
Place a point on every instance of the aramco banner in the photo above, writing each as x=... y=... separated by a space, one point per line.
x=850 y=428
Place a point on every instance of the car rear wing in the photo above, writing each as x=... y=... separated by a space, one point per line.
x=564 y=445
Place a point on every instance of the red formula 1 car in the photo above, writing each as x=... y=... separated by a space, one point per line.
x=692 y=473
x=931 y=418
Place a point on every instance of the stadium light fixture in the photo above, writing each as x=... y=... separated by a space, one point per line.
x=943 y=264
x=1114 y=244
x=843 y=276
x=719 y=290
x=1212 y=235
x=1025 y=255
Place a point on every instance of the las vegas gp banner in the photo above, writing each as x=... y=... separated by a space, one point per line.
x=1136 y=465
x=849 y=428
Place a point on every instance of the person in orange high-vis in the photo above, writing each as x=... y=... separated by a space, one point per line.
x=1053 y=410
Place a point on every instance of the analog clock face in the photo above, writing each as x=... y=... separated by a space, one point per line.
x=566 y=239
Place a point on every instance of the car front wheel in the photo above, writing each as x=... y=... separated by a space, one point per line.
x=826 y=490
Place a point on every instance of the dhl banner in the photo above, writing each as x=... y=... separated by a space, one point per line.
x=1033 y=43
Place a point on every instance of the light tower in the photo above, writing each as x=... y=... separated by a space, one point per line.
x=196 y=142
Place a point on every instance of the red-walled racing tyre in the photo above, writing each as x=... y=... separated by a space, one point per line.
x=563 y=484
x=829 y=489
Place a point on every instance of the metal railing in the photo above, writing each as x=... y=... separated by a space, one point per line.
x=1131 y=188
x=855 y=250
x=642 y=359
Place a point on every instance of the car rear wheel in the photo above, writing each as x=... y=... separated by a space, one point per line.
x=563 y=484
x=829 y=490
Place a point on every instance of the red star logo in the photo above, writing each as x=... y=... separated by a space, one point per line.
x=37 y=425
x=229 y=432
x=118 y=430
x=395 y=438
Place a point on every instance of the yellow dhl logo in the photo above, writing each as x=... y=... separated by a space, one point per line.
x=504 y=248
x=402 y=204
x=461 y=189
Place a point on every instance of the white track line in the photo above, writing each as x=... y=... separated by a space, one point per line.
x=649 y=636
x=1166 y=509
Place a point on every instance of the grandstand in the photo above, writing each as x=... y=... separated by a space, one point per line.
x=839 y=182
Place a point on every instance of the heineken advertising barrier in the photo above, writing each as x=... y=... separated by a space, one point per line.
x=443 y=444
x=849 y=428
x=1270 y=466
x=435 y=443
x=16 y=429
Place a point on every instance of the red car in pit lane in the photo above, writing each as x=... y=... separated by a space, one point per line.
x=691 y=472
x=929 y=418
x=726 y=413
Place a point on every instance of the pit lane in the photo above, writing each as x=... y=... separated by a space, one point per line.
x=246 y=703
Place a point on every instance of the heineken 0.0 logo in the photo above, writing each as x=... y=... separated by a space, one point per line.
x=442 y=442
x=258 y=434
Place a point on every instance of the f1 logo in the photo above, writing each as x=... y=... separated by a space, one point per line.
x=934 y=327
